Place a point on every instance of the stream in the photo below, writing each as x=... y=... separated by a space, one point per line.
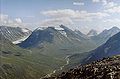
x=67 y=62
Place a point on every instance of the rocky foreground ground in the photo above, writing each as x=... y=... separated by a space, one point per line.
x=107 y=68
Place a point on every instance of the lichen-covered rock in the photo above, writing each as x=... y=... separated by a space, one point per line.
x=107 y=68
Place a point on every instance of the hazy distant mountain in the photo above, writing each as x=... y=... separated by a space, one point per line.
x=92 y=33
x=14 y=33
x=81 y=34
x=110 y=48
x=105 y=35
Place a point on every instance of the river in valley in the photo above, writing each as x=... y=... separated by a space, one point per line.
x=59 y=69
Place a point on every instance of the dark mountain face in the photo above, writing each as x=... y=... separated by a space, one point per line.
x=39 y=36
x=14 y=33
x=107 y=68
x=105 y=35
x=110 y=48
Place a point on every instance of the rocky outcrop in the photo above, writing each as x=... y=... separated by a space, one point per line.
x=107 y=68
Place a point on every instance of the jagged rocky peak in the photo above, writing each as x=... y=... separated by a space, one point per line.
x=111 y=31
x=64 y=27
x=92 y=33
x=115 y=28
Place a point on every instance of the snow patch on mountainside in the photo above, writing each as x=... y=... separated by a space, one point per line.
x=41 y=28
x=25 y=30
x=63 y=33
x=59 y=28
x=20 y=40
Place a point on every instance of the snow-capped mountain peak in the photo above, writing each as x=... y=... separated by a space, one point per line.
x=41 y=28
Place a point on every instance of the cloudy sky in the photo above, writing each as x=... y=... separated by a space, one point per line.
x=76 y=14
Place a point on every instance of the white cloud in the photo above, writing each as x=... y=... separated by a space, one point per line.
x=116 y=20
x=5 y=20
x=115 y=9
x=18 y=20
x=59 y=13
x=72 y=18
x=104 y=2
x=30 y=16
x=110 y=5
x=78 y=3
x=95 y=1
x=112 y=22
x=74 y=14
x=56 y=22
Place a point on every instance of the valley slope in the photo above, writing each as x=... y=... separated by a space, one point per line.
x=18 y=63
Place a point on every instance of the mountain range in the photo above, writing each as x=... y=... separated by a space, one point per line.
x=105 y=35
x=77 y=58
x=14 y=34
x=110 y=48
x=60 y=41
x=101 y=63
x=45 y=50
